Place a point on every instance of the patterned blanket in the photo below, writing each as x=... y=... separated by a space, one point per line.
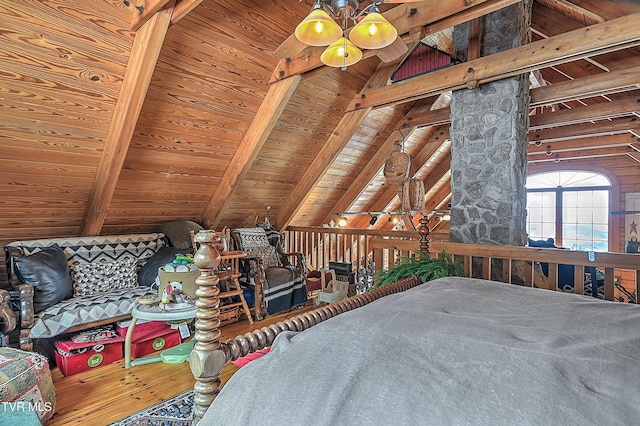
x=284 y=289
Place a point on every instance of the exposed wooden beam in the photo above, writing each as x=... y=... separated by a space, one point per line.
x=182 y=9
x=586 y=87
x=388 y=200
x=625 y=106
x=433 y=179
x=142 y=62
x=434 y=117
x=360 y=183
x=143 y=10
x=622 y=139
x=475 y=39
x=266 y=117
x=576 y=10
x=438 y=198
x=345 y=129
x=442 y=194
x=580 y=154
x=597 y=39
x=589 y=86
x=601 y=128
x=434 y=14
x=376 y=163
x=548 y=22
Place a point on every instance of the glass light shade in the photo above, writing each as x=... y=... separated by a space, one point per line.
x=373 y=32
x=318 y=29
x=341 y=53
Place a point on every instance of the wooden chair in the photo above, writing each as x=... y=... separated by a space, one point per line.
x=228 y=272
x=276 y=280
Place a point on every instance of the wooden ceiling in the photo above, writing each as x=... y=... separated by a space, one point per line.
x=115 y=120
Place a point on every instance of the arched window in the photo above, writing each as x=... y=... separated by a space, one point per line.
x=570 y=206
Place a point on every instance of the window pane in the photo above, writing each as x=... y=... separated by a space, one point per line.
x=541 y=215
x=585 y=220
x=566 y=179
x=585 y=211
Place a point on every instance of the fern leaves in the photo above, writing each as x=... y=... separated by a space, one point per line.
x=422 y=266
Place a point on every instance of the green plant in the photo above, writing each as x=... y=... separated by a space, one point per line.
x=420 y=265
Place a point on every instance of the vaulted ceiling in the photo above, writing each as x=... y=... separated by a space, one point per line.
x=119 y=115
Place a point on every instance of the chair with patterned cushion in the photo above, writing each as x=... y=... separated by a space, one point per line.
x=278 y=282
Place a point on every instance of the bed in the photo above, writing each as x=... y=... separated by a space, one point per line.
x=453 y=351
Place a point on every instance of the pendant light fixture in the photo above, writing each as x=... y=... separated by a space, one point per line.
x=319 y=28
x=373 y=31
x=341 y=54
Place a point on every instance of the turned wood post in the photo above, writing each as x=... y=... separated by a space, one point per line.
x=207 y=357
x=424 y=231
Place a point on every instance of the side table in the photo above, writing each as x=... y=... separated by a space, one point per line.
x=152 y=313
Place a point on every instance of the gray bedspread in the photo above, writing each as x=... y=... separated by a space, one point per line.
x=454 y=351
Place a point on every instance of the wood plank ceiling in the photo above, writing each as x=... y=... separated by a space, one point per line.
x=115 y=120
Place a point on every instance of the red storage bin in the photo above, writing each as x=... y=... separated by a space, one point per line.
x=72 y=358
x=147 y=342
x=141 y=326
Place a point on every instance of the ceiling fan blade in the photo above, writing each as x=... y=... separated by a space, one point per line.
x=394 y=51
x=289 y=48
x=623 y=213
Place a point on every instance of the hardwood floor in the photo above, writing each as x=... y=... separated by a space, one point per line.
x=108 y=393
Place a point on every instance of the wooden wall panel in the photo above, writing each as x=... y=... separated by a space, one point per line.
x=61 y=69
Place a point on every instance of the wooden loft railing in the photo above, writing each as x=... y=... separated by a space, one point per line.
x=519 y=265
x=356 y=246
x=511 y=264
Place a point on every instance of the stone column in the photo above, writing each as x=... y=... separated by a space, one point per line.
x=489 y=126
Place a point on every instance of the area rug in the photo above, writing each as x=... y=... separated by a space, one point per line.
x=171 y=412
x=177 y=410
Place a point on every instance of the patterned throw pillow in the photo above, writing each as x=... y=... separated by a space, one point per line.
x=102 y=277
x=268 y=254
x=255 y=243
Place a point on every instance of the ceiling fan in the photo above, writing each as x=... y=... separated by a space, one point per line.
x=370 y=30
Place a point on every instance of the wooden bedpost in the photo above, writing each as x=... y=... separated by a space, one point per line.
x=207 y=357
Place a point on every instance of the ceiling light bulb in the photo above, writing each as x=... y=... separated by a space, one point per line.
x=342 y=221
x=341 y=53
x=318 y=29
x=373 y=32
